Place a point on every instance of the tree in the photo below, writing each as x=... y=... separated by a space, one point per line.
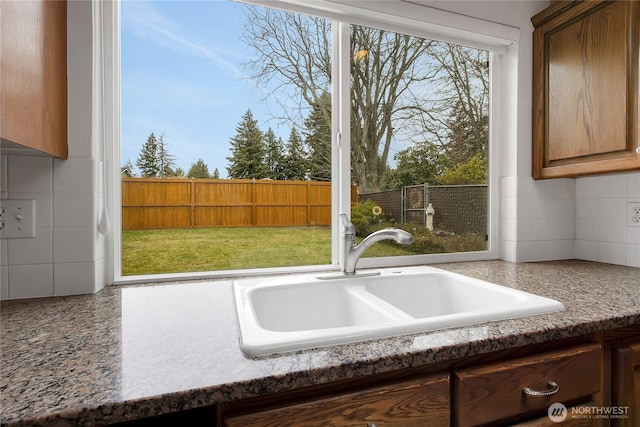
x=293 y=51
x=148 y=160
x=166 y=162
x=178 y=173
x=474 y=171
x=296 y=157
x=419 y=164
x=216 y=174
x=128 y=169
x=318 y=138
x=247 y=150
x=199 y=169
x=402 y=87
x=275 y=159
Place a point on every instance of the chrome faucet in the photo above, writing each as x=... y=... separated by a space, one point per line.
x=352 y=252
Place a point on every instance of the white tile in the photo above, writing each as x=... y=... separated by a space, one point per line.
x=529 y=188
x=508 y=251
x=561 y=208
x=586 y=209
x=74 y=278
x=586 y=229
x=30 y=281
x=560 y=229
x=74 y=175
x=509 y=186
x=44 y=206
x=100 y=279
x=38 y=250
x=508 y=208
x=3 y=173
x=633 y=235
x=612 y=186
x=587 y=188
x=612 y=209
x=29 y=173
x=74 y=210
x=4 y=282
x=612 y=231
x=4 y=259
x=633 y=186
x=633 y=256
x=524 y=252
x=539 y=229
x=560 y=249
x=73 y=244
x=529 y=208
x=612 y=253
x=524 y=229
x=561 y=189
x=586 y=250
x=508 y=229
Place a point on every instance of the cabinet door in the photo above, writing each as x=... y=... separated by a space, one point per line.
x=33 y=65
x=586 y=90
x=415 y=403
x=625 y=392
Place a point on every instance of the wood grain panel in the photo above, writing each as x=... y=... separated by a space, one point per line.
x=494 y=392
x=413 y=403
x=626 y=383
x=588 y=94
x=33 y=65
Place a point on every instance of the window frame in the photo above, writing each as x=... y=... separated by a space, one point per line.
x=436 y=24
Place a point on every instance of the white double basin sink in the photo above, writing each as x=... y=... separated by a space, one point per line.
x=289 y=313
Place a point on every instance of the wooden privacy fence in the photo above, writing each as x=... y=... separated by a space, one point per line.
x=153 y=203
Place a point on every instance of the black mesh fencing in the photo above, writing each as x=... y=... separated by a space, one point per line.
x=458 y=209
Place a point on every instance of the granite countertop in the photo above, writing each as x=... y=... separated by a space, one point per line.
x=130 y=352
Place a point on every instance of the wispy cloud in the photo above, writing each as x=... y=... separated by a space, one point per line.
x=146 y=21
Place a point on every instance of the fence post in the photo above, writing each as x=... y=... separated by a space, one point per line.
x=192 y=211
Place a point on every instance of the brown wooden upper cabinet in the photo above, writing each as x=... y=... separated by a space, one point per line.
x=33 y=70
x=585 y=88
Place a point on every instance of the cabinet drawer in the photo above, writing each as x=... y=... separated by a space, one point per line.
x=421 y=402
x=496 y=391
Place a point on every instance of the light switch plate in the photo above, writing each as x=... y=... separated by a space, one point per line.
x=17 y=219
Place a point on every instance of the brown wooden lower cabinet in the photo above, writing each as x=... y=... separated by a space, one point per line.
x=625 y=389
x=514 y=388
x=418 y=402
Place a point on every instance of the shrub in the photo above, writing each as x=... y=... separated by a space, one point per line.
x=363 y=216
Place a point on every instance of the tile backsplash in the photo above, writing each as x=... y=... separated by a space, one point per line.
x=602 y=232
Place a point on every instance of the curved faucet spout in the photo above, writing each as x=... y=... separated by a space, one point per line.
x=352 y=252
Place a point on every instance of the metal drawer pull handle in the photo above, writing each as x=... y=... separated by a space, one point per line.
x=372 y=425
x=553 y=389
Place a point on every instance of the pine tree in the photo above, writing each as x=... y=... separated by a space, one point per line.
x=247 y=150
x=318 y=139
x=165 y=160
x=215 y=174
x=296 y=158
x=148 y=160
x=199 y=169
x=275 y=160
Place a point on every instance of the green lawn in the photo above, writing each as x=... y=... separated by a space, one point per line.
x=210 y=249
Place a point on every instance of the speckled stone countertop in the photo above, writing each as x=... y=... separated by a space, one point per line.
x=130 y=352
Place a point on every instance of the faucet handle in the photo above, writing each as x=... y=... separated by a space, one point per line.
x=348 y=227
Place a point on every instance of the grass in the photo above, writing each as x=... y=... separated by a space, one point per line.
x=212 y=249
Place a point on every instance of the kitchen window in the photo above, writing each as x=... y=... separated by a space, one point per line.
x=381 y=106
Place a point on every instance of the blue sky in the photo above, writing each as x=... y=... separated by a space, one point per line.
x=182 y=75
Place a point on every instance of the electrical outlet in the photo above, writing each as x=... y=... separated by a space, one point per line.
x=17 y=219
x=633 y=214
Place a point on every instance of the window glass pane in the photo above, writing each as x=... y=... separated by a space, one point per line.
x=419 y=140
x=226 y=136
